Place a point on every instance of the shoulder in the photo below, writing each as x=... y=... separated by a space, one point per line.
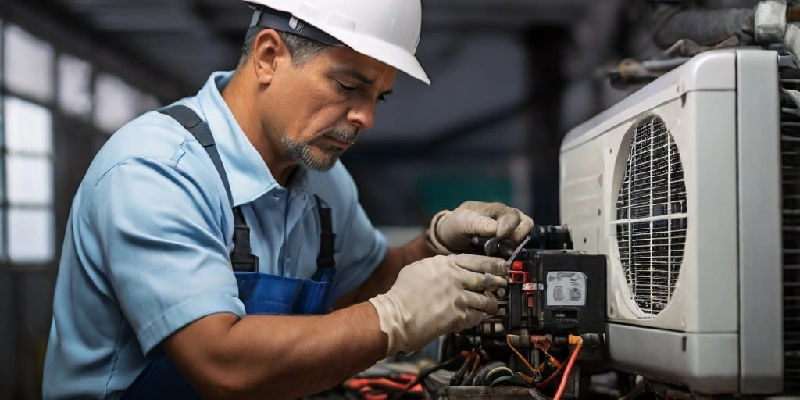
x=154 y=148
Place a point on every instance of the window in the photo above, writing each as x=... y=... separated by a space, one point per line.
x=116 y=103
x=28 y=65
x=28 y=166
x=74 y=86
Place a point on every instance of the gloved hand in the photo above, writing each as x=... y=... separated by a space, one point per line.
x=451 y=231
x=438 y=295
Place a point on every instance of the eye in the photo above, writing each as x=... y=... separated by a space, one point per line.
x=345 y=88
x=382 y=98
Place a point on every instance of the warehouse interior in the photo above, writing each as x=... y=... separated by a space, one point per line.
x=509 y=79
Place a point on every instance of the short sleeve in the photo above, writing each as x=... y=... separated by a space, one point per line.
x=163 y=247
x=362 y=246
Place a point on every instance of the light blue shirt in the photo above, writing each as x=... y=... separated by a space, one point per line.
x=147 y=242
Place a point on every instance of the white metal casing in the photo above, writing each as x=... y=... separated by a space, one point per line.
x=722 y=110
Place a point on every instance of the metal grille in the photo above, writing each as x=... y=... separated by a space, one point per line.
x=790 y=170
x=651 y=216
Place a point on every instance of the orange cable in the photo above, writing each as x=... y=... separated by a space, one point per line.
x=524 y=360
x=578 y=341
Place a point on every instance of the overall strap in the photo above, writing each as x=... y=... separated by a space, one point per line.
x=242 y=257
x=199 y=129
x=325 y=261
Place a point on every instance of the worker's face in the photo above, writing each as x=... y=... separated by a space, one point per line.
x=327 y=103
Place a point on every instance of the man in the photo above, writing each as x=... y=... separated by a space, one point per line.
x=200 y=233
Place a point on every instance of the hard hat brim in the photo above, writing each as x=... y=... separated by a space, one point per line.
x=382 y=51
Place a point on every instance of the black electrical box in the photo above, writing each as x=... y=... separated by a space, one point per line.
x=574 y=291
x=557 y=291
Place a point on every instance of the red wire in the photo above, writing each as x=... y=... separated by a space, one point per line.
x=567 y=371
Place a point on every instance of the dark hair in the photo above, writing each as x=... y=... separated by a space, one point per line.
x=300 y=49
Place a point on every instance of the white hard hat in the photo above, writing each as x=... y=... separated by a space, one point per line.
x=386 y=30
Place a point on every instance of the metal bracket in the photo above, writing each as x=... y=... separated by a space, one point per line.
x=770 y=21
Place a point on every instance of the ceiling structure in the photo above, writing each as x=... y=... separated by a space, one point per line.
x=186 y=39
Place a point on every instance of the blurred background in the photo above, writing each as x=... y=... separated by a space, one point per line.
x=509 y=79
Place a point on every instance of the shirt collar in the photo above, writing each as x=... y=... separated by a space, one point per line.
x=247 y=173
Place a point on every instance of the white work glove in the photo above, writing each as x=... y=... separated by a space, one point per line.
x=451 y=231
x=436 y=296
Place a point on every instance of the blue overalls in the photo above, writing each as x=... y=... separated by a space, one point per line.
x=261 y=293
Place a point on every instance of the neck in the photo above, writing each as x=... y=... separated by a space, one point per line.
x=241 y=97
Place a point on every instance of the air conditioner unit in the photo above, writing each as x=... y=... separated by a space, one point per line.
x=691 y=187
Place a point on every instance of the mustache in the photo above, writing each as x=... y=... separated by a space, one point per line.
x=343 y=135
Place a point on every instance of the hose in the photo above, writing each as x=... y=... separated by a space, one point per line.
x=705 y=27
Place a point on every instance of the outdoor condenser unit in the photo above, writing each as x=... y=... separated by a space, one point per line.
x=691 y=187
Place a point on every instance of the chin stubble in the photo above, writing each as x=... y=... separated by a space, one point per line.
x=301 y=151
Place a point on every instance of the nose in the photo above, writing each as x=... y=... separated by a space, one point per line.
x=362 y=115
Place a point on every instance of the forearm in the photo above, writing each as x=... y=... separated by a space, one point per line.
x=286 y=357
x=386 y=274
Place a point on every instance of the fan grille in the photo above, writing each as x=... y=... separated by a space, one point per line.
x=790 y=171
x=651 y=216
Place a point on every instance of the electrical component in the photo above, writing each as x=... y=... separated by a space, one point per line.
x=553 y=306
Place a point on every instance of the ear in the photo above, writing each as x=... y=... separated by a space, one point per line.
x=269 y=52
